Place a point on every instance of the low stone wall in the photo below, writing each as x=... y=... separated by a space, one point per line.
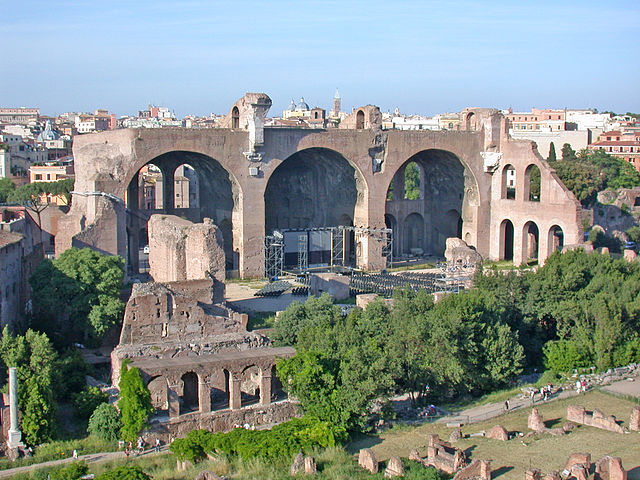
x=221 y=421
x=579 y=414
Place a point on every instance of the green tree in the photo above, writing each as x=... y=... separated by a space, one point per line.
x=73 y=471
x=88 y=400
x=568 y=153
x=412 y=181
x=33 y=197
x=35 y=359
x=6 y=187
x=134 y=402
x=105 y=422
x=124 y=472
x=552 y=153
x=582 y=178
x=77 y=296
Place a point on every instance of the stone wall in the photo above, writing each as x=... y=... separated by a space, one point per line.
x=579 y=414
x=183 y=250
x=221 y=421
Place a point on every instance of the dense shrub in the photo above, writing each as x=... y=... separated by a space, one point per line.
x=284 y=440
x=105 y=422
x=125 y=472
x=88 y=400
x=563 y=356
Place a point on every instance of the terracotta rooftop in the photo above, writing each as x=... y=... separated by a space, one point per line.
x=7 y=238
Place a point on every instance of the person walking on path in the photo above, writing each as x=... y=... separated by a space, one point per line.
x=506 y=405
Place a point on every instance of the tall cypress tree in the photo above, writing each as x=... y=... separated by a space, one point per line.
x=134 y=403
x=552 y=153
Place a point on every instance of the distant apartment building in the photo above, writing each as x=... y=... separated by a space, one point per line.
x=547 y=126
x=91 y=123
x=19 y=116
x=536 y=119
x=16 y=156
x=624 y=143
x=51 y=173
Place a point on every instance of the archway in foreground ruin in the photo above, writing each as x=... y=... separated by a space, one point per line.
x=312 y=188
x=250 y=386
x=189 y=398
x=212 y=192
x=439 y=196
x=506 y=240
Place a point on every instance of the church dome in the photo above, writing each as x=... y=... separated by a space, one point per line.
x=302 y=106
x=292 y=105
x=47 y=133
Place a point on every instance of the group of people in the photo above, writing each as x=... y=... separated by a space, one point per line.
x=140 y=447
x=581 y=385
x=545 y=392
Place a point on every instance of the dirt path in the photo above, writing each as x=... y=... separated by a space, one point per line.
x=492 y=410
x=89 y=458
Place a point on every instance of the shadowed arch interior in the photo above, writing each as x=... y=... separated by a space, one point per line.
x=316 y=187
x=439 y=200
x=213 y=193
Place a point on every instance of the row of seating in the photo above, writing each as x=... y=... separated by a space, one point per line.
x=273 y=289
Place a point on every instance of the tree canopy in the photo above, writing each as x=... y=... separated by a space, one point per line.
x=35 y=359
x=77 y=296
x=6 y=187
x=577 y=310
x=587 y=173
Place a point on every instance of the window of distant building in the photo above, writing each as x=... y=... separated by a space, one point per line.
x=38 y=176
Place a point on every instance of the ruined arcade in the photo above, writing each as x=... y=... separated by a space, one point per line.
x=478 y=184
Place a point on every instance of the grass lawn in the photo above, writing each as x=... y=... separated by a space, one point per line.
x=511 y=459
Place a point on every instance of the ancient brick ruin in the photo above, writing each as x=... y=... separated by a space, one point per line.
x=580 y=467
x=476 y=470
x=368 y=460
x=443 y=456
x=476 y=184
x=596 y=418
x=203 y=368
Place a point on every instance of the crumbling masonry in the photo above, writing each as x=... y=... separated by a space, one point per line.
x=203 y=368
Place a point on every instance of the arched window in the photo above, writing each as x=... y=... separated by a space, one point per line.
x=509 y=182
x=235 y=118
x=532 y=183
x=360 y=120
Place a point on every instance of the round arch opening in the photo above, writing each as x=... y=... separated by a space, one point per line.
x=315 y=188
x=188 y=184
x=440 y=192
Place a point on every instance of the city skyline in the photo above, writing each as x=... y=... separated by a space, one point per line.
x=423 y=57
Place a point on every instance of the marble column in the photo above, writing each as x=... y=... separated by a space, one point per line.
x=14 y=439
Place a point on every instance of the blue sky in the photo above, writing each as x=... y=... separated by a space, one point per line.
x=422 y=56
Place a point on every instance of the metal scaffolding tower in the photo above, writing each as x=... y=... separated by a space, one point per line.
x=303 y=258
x=273 y=255
x=337 y=247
